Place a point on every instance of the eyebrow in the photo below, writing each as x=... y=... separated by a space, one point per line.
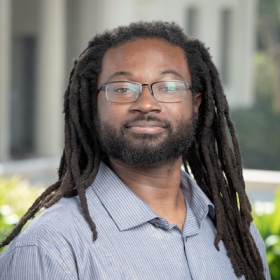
x=129 y=74
x=171 y=72
x=120 y=73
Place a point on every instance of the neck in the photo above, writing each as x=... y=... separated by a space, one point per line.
x=158 y=186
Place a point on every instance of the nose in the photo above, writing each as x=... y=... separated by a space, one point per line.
x=146 y=102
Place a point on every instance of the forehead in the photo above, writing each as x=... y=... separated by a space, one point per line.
x=144 y=57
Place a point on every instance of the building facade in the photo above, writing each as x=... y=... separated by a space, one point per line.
x=40 y=38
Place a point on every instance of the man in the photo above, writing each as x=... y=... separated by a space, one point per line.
x=141 y=101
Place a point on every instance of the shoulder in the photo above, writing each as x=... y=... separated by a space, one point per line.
x=54 y=226
x=50 y=243
x=261 y=247
x=43 y=247
x=258 y=240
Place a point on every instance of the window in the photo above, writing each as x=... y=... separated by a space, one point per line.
x=22 y=97
x=192 y=21
x=226 y=21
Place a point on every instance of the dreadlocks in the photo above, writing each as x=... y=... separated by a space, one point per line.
x=214 y=157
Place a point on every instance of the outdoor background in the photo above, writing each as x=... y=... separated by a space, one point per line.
x=39 y=40
x=258 y=126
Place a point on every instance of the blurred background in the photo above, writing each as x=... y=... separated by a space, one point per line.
x=40 y=38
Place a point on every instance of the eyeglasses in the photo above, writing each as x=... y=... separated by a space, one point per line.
x=163 y=91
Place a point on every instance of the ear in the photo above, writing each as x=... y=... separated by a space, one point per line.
x=197 y=101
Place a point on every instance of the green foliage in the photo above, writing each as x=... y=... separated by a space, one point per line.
x=268 y=223
x=16 y=196
x=269 y=10
x=263 y=76
x=258 y=127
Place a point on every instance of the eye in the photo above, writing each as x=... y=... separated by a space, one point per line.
x=168 y=88
x=121 y=89
x=124 y=88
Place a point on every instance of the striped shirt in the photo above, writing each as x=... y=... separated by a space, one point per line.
x=133 y=242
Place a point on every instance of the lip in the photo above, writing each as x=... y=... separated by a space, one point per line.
x=146 y=127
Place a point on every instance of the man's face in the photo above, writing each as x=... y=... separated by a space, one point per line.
x=146 y=132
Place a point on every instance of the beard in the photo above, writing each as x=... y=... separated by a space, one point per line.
x=137 y=150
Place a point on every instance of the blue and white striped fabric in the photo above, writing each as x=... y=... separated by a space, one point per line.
x=133 y=242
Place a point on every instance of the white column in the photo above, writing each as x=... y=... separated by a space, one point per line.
x=5 y=55
x=88 y=14
x=209 y=27
x=245 y=33
x=51 y=77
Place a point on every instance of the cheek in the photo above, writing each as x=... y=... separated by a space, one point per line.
x=103 y=108
x=109 y=112
x=188 y=107
x=179 y=112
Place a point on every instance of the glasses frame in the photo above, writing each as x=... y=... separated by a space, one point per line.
x=104 y=88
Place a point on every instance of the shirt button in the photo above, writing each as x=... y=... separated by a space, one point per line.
x=157 y=222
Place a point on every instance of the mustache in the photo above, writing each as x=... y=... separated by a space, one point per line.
x=147 y=118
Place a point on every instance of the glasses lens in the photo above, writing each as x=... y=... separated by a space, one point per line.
x=122 y=92
x=170 y=91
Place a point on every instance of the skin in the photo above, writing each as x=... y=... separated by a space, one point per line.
x=148 y=61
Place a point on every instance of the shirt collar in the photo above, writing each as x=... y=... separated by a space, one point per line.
x=198 y=205
x=196 y=198
x=128 y=210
